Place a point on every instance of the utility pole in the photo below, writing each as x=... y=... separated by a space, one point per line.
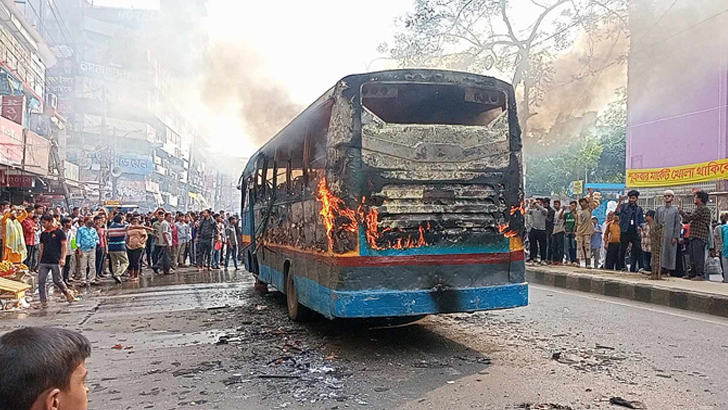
x=41 y=16
x=103 y=173
x=61 y=169
x=25 y=149
x=112 y=163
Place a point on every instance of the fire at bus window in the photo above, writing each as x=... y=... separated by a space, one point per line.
x=407 y=103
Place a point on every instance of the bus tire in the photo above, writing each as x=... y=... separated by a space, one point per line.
x=260 y=287
x=296 y=311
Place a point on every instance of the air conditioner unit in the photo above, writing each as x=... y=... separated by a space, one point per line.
x=51 y=101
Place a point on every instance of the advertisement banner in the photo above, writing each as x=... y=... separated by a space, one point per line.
x=134 y=164
x=679 y=175
x=11 y=142
x=37 y=153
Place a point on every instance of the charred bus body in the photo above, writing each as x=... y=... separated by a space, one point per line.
x=396 y=193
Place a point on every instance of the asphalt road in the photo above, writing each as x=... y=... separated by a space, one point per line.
x=207 y=341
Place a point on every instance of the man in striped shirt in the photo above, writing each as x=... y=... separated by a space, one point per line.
x=116 y=239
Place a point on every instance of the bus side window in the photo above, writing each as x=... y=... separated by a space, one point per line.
x=280 y=178
x=316 y=144
x=262 y=182
x=270 y=182
x=296 y=171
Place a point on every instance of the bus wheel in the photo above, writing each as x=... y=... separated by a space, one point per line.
x=260 y=287
x=296 y=311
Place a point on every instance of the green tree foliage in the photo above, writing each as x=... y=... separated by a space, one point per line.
x=600 y=157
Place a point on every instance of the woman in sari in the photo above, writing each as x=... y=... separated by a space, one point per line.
x=14 y=249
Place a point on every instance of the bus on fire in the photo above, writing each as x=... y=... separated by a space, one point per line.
x=396 y=193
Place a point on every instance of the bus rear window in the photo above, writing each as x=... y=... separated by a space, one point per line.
x=407 y=103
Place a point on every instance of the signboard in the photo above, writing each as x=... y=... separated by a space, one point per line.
x=134 y=164
x=577 y=187
x=20 y=181
x=59 y=85
x=680 y=175
x=11 y=142
x=13 y=108
x=109 y=73
x=17 y=181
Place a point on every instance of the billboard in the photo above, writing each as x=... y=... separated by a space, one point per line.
x=134 y=164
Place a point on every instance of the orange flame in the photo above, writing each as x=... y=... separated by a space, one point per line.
x=370 y=221
x=519 y=209
x=504 y=229
x=331 y=208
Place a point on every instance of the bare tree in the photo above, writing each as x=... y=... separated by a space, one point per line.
x=480 y=35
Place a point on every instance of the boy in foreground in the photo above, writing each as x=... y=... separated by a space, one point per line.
x=43 y=369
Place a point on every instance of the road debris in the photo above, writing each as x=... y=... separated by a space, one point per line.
x=543 y=406
x=618 y=401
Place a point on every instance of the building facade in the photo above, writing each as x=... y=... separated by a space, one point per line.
x=678 y=99
x=26 y=132
x=116 y=84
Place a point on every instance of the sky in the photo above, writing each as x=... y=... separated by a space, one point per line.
x=302 y=46
x=306 y=49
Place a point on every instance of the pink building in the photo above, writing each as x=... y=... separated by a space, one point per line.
x=678 y=87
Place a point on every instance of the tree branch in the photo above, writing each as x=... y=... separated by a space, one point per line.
x=508 y=24
x=534 y=31
x=605 y=7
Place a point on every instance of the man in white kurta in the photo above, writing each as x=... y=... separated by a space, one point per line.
x=668 y=216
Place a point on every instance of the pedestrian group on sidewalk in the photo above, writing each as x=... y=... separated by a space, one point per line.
x=663 y=242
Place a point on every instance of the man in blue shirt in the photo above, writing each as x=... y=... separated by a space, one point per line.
x=116 y=239
x=631 y=221
x=87 y=239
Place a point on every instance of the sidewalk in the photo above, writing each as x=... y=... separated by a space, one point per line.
x=704 y=297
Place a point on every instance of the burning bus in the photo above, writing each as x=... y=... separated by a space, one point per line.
x=396 y=193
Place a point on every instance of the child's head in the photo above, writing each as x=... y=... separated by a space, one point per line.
x=650 y=216
x=43 y=368
x=583 y=203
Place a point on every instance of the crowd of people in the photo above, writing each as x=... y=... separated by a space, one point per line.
x=80 y=247
x=666 y=241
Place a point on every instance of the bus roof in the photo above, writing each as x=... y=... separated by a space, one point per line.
x=412 y=75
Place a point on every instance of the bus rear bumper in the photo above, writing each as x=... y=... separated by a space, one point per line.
x=393 y=303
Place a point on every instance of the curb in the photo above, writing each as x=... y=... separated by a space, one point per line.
x=694 y=301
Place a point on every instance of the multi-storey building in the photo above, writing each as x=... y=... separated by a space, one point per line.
x=678 y=100
x=115 y=83
x=24 y=154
